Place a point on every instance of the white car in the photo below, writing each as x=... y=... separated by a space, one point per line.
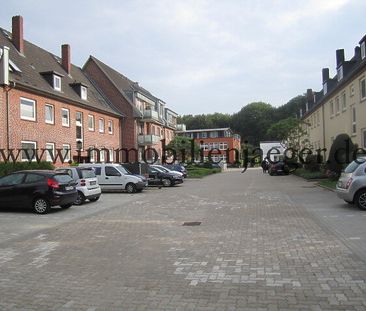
x=115 y=177
x=87 y=183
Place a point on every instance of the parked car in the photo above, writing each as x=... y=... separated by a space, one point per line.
x=115 y=177
x=177 y=167
x=167 y=170
x=143 y=178
x=159 y=177
x=351 y=186
x=87 y=183
x=38 y=189
x=278 y=168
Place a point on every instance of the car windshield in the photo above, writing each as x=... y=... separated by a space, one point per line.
x=162 y=168
x=87 y=173
x=122 y=170
x=128 y=171
x=62 y=178
x=354 y=165
x=158 y=169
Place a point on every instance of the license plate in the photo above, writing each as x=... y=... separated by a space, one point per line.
x=67 y=188
x=92 y=183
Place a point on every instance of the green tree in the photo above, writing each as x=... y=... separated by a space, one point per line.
x=252 y=121
x=183 y=149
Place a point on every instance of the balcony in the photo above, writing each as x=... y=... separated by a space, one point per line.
x=151 y=116
x=148 y=139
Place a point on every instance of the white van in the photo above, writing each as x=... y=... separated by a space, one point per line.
x=115 y=177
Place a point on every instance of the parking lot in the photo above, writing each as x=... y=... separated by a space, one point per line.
x=230 y=241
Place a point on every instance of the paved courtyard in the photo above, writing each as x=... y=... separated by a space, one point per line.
x=264 y=243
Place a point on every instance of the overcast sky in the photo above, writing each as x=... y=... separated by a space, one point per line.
x=201 y=56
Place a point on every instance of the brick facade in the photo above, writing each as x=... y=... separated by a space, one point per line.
x=129 y=130
x=41 y=132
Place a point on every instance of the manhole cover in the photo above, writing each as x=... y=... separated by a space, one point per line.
x=191 y=223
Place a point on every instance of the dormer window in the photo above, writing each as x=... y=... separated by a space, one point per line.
x=340 y=73
x=363 y=50
x=54 y=79
x=57 y=83
x=83 y=92
x=81 y=89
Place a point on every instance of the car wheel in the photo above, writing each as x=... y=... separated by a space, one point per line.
x=94 y=199
x=65 y=206
x=360 y=199
x=166 y=182
x=80 y=199
x=130 y=188
x=41 y=206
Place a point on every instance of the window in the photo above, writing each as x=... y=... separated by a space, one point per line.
x=27 y=109
x=223 y=146
x=83 y=93
x=364 y=139
x=110 y=127
x=351 y=90
x=340 y=73
x=91 y=123
x=13 y=179
x=33 y=178
x=363 y=89
x=101 y=155
x=337 y=105
x=331 y=108
x=79 y=130
x=344 y=103
x=363 y=50
x=354 y=127
x=66 y=152
x=97 y=171
x=57 y=83
x=65 y=116
x=111 y=171
x=101 y=125
x=50 y=151
x=91 y=154
x=111 y=155
x=28 y=150
x=49 y=115
x=203 y=135
x=325 y=88
x=318 y=118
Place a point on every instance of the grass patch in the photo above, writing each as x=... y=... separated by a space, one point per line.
x=199 y=172
x=309 y=175
x=328 y=183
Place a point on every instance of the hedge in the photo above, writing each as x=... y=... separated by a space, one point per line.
x=7 y=168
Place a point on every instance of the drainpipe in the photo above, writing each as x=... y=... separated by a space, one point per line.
x=323 y=117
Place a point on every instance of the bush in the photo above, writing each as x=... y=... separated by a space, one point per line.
x=313 y=163
x=7 y=168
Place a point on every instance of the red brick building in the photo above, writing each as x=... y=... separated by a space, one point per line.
x=46 y=102
x=215 y=142
x=146 y=120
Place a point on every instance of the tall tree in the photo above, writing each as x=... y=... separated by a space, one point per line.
x=253 y=120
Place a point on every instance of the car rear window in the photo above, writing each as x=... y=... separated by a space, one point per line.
x=354 y=165
x=87 y=173
x=62 y=178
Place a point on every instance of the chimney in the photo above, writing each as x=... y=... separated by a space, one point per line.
x=357 y=53
x=325 y=74
x=66 y=56
x=310 y=97
x=17 y=33
x=4 y=66
x=340 y=57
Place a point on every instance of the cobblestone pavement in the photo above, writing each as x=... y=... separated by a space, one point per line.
x=257 y=248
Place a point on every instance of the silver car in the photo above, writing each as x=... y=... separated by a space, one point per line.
x=351 y=186
x=87 y=183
